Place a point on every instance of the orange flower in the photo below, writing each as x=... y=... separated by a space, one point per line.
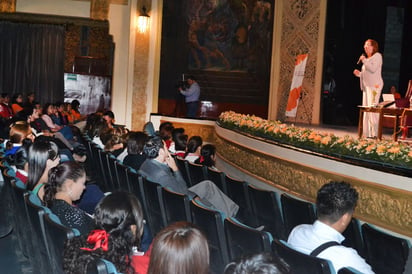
x=394 y=149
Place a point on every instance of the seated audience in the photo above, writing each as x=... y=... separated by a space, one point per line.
x=77 y=116
x=43 y=156
x=19 y=131
x=65 y=185
x=207 y=156
x=113 y=140
x=193 y=148
x=108 y=116
x=161 y=168
x=179 y=248
x=180 y=143
x=335 y=204
x=395 y=93
x=264 y=263
x=135 y=149
x=119 y=226
x=17 y=103
x=19 y=161
x=95 y=126
x=6 y=111
x=49 y=117
x=175 y=133
x=165 y=132
x=30 y=102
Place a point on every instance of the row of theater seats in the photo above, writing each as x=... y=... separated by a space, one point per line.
x=230 y=238
x=39 y=232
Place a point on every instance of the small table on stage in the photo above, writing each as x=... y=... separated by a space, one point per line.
x=396 y=112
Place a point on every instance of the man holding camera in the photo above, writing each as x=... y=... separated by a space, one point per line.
x=192 y=94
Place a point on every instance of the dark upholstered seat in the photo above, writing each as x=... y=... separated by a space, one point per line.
x=197 y=173
x=385 y=253
x=300 y=262
x=176 y=205
x=266 y=207
x=296 y=212
x=184 y=170
x=217 y=177
x=237 y=190
x=211 y=223
x=243 y=240
x=353 y=237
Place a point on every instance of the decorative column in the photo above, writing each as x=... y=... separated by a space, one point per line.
x=7 y=5
x=99 y=9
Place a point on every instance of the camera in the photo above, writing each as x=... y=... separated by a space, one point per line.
x=182 y=84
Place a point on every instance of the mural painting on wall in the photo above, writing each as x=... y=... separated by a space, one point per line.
x=230 y=35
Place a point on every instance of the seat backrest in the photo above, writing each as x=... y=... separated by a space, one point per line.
x=155 y=208
x=266 y=207
x=217 y=177
x=348 y=270
x=353 y=237
x=123 y=179
x=237 y=190
x=56 y=235
x=101 y=266
x=300 y=262
x=296 y=212
x=244 y=240
x=211 y=223
x=103 y=170
x=184 y=170
x=385 y=253
x=111 y=163
x=39 y=244
x=176 y=205
x=197 y=173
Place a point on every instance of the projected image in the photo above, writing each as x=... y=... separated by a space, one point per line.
x=93 y=92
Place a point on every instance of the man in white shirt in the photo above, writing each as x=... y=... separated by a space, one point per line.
x=335 y=204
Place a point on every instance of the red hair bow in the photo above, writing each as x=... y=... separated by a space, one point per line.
x=201 y=159
x=100 y=239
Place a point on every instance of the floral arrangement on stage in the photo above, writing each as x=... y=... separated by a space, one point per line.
x=384 y=151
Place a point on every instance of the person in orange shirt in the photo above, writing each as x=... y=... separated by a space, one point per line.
x=395 y=92
x=17 y=103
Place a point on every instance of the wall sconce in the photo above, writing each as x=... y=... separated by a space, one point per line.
x=143 y=21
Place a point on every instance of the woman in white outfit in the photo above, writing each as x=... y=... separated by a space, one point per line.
x=371 y=84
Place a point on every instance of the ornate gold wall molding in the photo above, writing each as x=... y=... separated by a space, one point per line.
x=7 y=5
x=385 y=206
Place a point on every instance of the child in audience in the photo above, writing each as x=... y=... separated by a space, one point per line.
x=119 y=226
x=179 y=248
x=193 y=148
x=207 y=156
x=66 y=185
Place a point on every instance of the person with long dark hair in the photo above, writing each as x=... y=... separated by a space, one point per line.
x=193 y=147
x=119 y=226
x=43 y=155
x=65 y=186
x=207 y=156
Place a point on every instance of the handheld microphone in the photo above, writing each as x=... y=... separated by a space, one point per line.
x=359 y=60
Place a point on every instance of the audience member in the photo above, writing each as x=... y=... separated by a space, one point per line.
x=65 y=185
x=17 y=103
x=43 y=156
x=119 y=226
x=264 y=263
x=335 y=203
x=135 y=149
x=175 y=133
x=161 y=168
x=165 y=132
x=193 y=148
x=95 y=126
x=77 y=117
x=30 y=102
x=180 y=146
x=5 y=110
x=18 y=132
x=207 y=156
x=19 y=161
x=113 y=140
x=50 y=113
x=179 y=248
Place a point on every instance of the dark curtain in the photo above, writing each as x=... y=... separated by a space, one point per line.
x=32 y=60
